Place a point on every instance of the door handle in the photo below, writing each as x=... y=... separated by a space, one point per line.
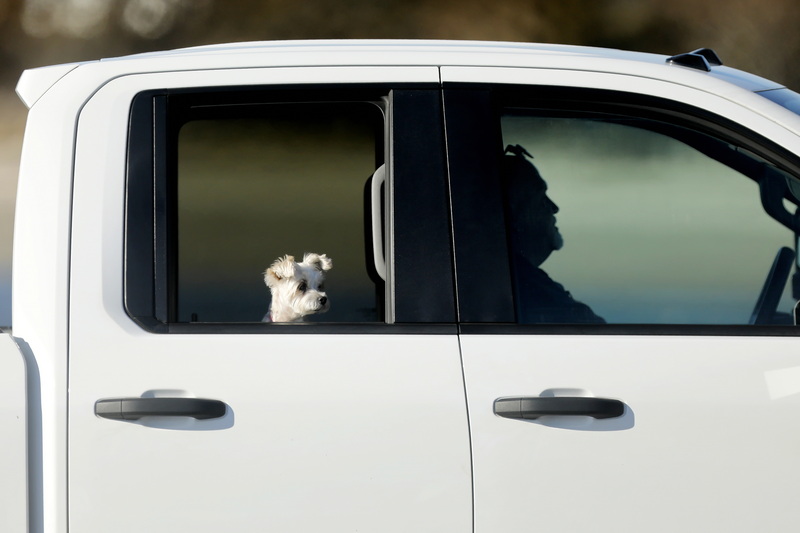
x=136 y=408
x=532 y=408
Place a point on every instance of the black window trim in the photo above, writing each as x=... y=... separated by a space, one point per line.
x=422 y=258
x=639 y=330
x=474 y=144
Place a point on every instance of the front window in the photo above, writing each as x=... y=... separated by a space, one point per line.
x=619 y=219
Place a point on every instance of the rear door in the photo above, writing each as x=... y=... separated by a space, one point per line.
x=622 y=377
x=355 y=421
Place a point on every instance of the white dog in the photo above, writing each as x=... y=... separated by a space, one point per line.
x=297 y=288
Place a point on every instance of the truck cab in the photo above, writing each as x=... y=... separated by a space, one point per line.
x=450 y=386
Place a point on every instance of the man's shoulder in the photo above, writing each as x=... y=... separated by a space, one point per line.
x=543 y=300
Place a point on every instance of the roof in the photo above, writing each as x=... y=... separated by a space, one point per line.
x=35 y=82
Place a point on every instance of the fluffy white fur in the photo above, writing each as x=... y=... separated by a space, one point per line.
x=297 y=289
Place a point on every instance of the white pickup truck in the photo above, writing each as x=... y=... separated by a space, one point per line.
x=481 y=369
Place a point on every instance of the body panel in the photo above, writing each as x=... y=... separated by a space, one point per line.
x=709 y=429
x=15 y=442
x=719 y=95
x=335 y=432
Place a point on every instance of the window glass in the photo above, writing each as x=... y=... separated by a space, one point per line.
x=257 y=182
x=640 y=222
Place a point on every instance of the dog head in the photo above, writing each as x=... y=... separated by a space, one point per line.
x=297 y=289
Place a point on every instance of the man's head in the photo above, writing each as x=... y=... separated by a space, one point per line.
x=531 y=213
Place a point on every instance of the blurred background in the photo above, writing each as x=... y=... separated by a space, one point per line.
x=752 y=35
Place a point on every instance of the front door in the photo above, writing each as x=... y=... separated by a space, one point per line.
x=620 y=375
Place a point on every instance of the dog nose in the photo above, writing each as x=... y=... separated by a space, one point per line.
x=323 y=300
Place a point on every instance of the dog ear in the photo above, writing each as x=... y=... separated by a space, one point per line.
x=283 y=267
x=320 y=262
x=271 y=278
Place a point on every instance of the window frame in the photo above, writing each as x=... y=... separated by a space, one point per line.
x=475 y=148
x=420 y=285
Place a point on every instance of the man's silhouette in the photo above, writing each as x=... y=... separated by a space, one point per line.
x=533 y=236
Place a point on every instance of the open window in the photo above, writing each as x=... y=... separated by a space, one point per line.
x=221 y=183
x=242 y=178
x=256 y=182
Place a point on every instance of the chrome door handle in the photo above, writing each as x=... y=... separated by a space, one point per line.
x=532 y=408
x=136 y=408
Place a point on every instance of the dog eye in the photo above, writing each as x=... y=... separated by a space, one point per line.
x=302 y=287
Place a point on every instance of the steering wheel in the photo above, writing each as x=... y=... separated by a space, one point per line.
x=767 y=303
